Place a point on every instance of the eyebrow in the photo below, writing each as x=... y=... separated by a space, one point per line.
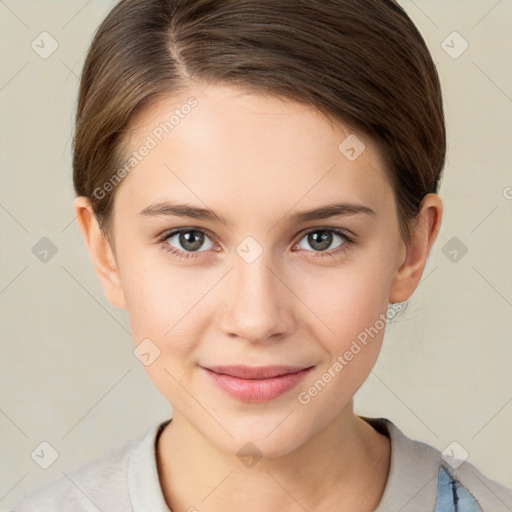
x=167 y=208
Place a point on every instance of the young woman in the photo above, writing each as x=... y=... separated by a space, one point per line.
x=256 y=184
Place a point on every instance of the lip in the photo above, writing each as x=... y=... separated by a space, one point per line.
x=256 y=384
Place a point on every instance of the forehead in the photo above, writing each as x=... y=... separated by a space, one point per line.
x=231 y=148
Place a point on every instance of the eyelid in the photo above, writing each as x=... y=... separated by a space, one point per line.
x=344 y=232
x=350 y=240
x=174 y=231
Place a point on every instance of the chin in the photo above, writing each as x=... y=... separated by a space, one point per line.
x=261 y=441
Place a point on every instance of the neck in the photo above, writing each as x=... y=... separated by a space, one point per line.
x=344 y=466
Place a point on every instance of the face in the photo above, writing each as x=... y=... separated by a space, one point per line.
x=254 y=283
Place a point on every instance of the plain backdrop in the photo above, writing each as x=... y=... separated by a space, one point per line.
x=68 y=375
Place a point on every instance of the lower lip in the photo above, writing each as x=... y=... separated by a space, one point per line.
x=257 y=390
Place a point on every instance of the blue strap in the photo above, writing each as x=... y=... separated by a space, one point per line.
x=451 y=495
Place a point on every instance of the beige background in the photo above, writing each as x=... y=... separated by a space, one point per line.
x=68 y=374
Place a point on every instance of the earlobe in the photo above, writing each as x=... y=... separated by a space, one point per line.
x=424 y=232
x=100 y=252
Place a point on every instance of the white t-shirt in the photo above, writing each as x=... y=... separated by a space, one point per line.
x=419 y=480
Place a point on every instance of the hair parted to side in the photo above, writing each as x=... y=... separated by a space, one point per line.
x=359 y=62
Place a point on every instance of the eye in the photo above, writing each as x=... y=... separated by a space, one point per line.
x=321 y=239
x=191 y=240
x=188 y=241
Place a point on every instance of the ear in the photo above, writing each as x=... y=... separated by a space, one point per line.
x=100 y=252
x=424 y=232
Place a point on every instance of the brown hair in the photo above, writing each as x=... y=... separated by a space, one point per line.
x=361 y=62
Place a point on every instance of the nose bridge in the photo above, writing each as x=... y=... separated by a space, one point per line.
x=255 y=306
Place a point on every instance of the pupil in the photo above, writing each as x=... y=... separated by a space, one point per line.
x=325 y=239
x=187 y=240
x=192 y=240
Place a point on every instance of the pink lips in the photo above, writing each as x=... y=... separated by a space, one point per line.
x=260 y=384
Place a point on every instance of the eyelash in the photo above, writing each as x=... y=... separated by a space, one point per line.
x=343 y=248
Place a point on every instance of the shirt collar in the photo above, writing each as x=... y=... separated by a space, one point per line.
x=411 y=483
x=412 y=478
x=143 y=480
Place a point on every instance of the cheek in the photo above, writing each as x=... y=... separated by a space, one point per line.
x=163 y=305
x=166 y=303
x=153 y=290
x=353 y=304
x=353 y=308
x=345 y=301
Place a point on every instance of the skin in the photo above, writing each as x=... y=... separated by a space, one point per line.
x=256 y=160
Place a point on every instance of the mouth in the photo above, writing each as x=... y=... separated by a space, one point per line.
x=256 y=384
x=259 y=372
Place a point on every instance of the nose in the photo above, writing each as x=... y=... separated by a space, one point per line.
x=257 y=304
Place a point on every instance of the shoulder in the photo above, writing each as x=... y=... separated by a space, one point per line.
x=471 y=485
x=422 y=479
x=99 y=485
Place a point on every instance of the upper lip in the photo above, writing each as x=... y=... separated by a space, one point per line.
x=256 y=372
